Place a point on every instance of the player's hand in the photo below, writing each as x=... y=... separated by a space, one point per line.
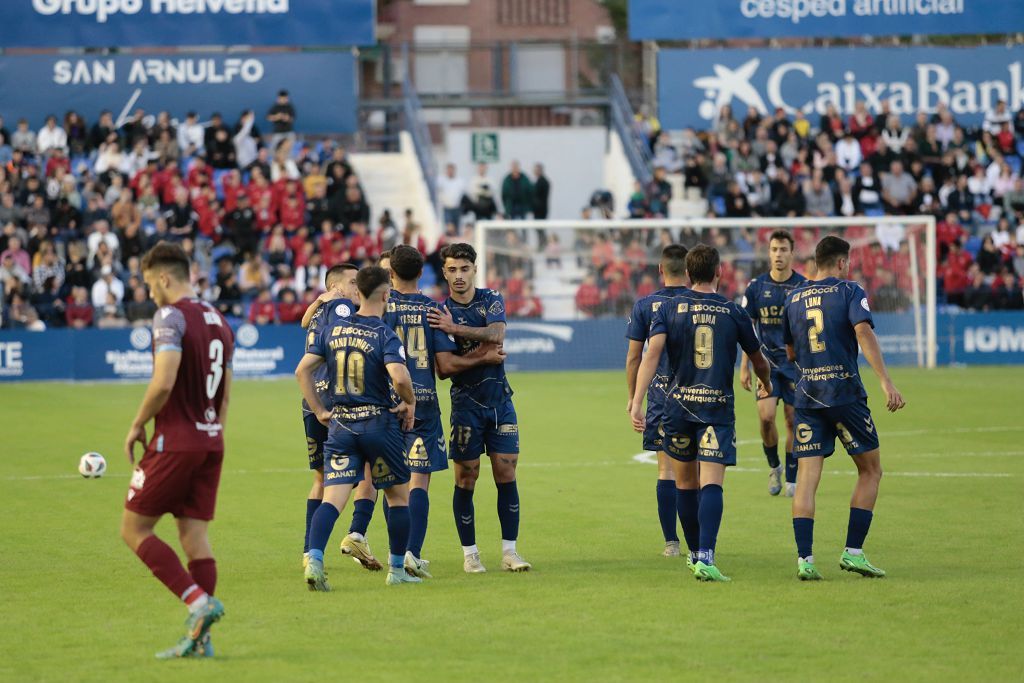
x=137 y=434
x=441 y=319
x=638 y=417
x=745 y=377
x=406 y=413
x=327 y=296
x=324 y=417
x=494 y=354
x=893 y=398
x=764 y=391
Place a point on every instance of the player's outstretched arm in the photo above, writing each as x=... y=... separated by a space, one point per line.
x=633 y=355
x=165 y=372
x=441 y=319
x=447 y=363
x=763 y=371
x=873 y=352
x=402 y=382
x=304 y=374
x=648 y=367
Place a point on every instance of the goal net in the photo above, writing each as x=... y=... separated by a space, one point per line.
x=595 y=269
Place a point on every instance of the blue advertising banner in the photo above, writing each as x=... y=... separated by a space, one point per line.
x=694 y=84
x=688 y=19
x=165 y=23
x=322 y=86
x=275 y=350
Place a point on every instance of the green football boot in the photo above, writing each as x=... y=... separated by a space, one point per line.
x=859 y=564
x=807 y=571
x=198 y=625
x=315 y=576
x=708 y=572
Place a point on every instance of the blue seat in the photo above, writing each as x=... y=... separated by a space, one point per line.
x=973 y=246
x=1014 y=163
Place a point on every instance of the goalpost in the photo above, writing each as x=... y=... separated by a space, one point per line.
x=583 y=269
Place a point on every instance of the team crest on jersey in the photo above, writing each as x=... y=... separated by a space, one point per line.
x=210 y=415
x=682 y=308
x=655 y=306
x=342 y=311
x=864 y=304
x=392 y=307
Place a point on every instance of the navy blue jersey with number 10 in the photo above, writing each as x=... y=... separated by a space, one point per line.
x=701 y=333
x=328 y=314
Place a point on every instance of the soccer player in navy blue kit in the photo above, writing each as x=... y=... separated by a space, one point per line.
x=483 y=417
x=824 y=322
x=764 y=300
x=424 y=347
x=334 y=304
x=700 y=330
x=672 y=493
x=362 y=354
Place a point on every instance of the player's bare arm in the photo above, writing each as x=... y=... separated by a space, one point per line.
x=165 y=372
x=633 y=355
x=873 y=352
x=745 y=371
x=304 y=374
x=447 y=363
x=402 y=382
x=648 y=368
x=764 y=373
x=441 y=319
x=329 y=295
x=222 y=410
x=790 y=353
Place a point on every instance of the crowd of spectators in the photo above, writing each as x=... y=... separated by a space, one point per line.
x=782 y=165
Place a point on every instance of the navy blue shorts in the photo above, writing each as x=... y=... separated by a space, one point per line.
x=653 y=432
x=425 y=447
x=817 y=429
x=784 y=384
x=316 y=435
x=479 y=430
x=378 y=441
x=689 y=441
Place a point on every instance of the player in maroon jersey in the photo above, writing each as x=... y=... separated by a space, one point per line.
x=180 y=468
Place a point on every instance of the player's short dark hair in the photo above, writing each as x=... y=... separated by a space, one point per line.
x=783 y=235
x=702 y=264
x=673 y=260
x=370 y=279
x=169 y=256
x=829 y=250
x=337 y=272
x=406 y=262
x=459 y=251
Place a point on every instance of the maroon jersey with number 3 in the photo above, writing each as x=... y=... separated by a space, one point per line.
x=190 y=420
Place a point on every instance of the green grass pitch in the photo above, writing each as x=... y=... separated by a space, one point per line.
x=601 y=604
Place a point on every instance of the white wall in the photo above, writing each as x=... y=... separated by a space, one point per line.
x=573 y=159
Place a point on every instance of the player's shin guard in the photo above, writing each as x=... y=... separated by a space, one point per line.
x=667 y=506
x=508 y=510
x=688 y=507
x=311 y=507
x=398 y=534
x=771 y=453
x=857 y=530
x=710 y=516
x=419 y=510
x=320 y=530
x=204 y=573
x=791 y=463
x=803 y=532
x=465 y=523
x=167 y=568
x=362 y=513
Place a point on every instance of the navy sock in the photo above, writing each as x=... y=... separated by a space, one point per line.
x=398 y=530
x=667 y=509
x=361 y=516
x=462 y=506
x=320 y=529
x=419 y=509
x=803 y=531
x=710 y=516
x=772 y=453
x=790 y=468
x=688 y=506
x=508 y=511
x=311 y=506
x=857 y=531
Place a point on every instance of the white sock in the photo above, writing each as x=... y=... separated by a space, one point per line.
x=468 y=550
x=356 y=536
x=809 y=558
x=855 y=551
x=196 y=604
x=507 y=546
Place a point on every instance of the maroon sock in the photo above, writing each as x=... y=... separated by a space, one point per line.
x=166 y=566
x=204 y=572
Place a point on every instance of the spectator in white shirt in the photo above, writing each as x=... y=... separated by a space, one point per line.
x=995 y=118
x=107 y=284
x=1001 y=236
x=848 y=153
x=895 y=136
x=51 y=136
x=450 y=191
x=101 y=233
x=245 y=142
x=191 y=135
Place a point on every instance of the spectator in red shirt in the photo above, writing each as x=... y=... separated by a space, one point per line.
x=289 y=309
x=529 y=305
x=266 y=217
x=588 y=297
x=293 y=213
x=262 y=311
x=360 y=244
x=646 y=287
x=515 y=285
x=231 y=186
x=79 y=310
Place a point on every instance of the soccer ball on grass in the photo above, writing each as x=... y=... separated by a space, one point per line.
x=92 y=465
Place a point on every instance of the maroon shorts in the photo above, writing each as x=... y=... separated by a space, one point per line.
x=182 y=483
